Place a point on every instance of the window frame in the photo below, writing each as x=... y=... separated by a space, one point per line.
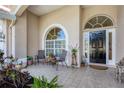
x=90 y=25
x=54 y=44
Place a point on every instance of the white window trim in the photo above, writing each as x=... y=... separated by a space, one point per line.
x=54 y=48
x=66 y=37
x=47 y=31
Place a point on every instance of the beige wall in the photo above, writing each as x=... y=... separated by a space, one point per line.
x=25 y=35
x=68 y=17
x=120 y=34
x=32 y=34
x=91 y=11
x=107 y=10
x=21 y=36
x=30 y=29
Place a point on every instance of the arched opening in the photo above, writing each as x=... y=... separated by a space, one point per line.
x=99 y=40
x=55 y=41
x=98 y=22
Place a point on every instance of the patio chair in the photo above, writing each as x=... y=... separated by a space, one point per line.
x=62 y=58
x=120 y=70
x=40 y=56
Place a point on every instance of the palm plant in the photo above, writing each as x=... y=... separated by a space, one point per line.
x=44 y=83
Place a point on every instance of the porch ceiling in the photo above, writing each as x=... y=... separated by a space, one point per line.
x=43 y=9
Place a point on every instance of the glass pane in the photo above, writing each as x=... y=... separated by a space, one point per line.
x=88 y=26
x=99 y=22
x=52 y=32
x=60 y=44
x=58 y=52
x=98 y=47
x=101 y=19
x=93 y=20
x=108 y=22
x=56 y=33
x=48 y=51
x=97 y=26
x=49 y=44
x=110 y=45
x=86 y=44
x=60 y=34
x=49 y=37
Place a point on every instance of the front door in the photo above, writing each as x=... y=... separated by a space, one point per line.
x=97 y=45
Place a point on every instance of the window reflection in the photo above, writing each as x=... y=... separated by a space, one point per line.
x=55 y=42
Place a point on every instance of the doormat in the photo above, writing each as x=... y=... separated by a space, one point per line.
x=99 y=67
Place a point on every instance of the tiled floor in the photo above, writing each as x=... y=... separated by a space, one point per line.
x=84 y=77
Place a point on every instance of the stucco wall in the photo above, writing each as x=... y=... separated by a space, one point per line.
x=32 y=34
x=91 y=11
x=120 y=34
x=30 y=29
x=68 y=17
x=21 y=36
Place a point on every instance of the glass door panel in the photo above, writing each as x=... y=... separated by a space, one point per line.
x=98 y=46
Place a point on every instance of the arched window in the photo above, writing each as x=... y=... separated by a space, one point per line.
x=55 y=42
x=98 y=21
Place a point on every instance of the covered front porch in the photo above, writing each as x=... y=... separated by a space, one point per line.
x=85 y=77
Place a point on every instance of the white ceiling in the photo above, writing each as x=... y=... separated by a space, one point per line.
x=43 y=9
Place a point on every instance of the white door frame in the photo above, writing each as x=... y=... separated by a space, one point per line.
x=109 y=63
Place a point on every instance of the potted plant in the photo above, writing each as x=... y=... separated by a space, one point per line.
x=50 y=56
x=29 y=60
x=74 y=51
x=74 y=56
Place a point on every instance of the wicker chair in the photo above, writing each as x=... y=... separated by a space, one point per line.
x=120 y=70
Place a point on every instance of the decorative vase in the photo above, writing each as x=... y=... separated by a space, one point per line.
x=74 y=59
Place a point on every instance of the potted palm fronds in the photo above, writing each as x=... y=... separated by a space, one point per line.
x=43 y=82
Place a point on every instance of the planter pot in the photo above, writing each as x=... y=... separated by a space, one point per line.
x=30 y=62
x=74 y=59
